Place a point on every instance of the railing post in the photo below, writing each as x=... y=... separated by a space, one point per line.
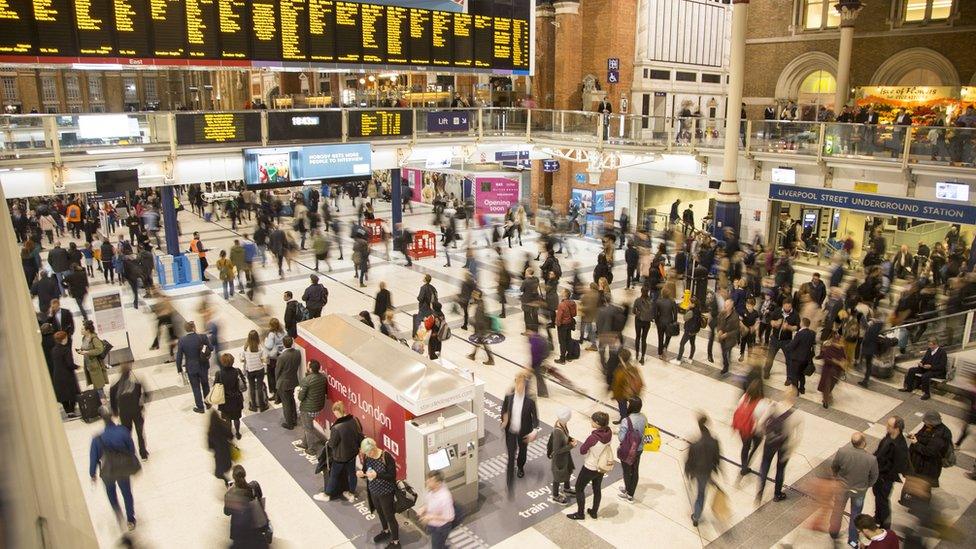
x=748 y=143
x=969 y=329
x=171 y=131
x=51 y=133
x=264 y=128
x=413 y=116
x=907 y=149
x=481 y=124
x=820 y=146
x=345 y=125
x=528 y=124
x=562 y=122
x=599 y=127
x=669 y=129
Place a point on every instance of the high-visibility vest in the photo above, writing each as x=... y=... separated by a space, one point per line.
x=73 y=213
x=195 y=247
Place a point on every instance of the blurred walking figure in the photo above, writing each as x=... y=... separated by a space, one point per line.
x=482 y=328
x=781 y=428
x=127 y=400
x=244 y=503
x=745 y=421
x=703 y=460
x=113 y=456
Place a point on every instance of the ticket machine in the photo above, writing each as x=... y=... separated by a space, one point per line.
x=445 y=441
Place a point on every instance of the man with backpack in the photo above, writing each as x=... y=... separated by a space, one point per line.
x=598 y=461
x=295 y=312
x=315 y=297
x=781 y=426
x=702 y=462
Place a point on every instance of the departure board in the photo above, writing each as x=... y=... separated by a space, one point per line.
x=217 y=128
x=264 y=30
x=309 y=34
x=291 y=125
x=373 y=19
x=484 y=39
x=132 y=27
x=201 y=26
x=348 y=36
x=502 y=49
x=321 y=30
x=382 y=123
x=420 y=37
x=294 y=30
x=16 y=37
x=463 y=40
x=231 y=21
x=520 y=44
x=441 y=33
x=397 y=31
x=168 y=19
x=93 y=23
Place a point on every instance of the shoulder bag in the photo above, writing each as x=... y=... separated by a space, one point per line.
x=115 y=465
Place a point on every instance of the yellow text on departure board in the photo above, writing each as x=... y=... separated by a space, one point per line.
x=263 y=20
x=395 y=18
x=291 y=12
x=220 y=127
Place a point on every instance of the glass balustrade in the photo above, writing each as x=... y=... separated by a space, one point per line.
x=107 y=133
x=445 y=123
x=875 y=141
x=784 y=137
x=23 y=135
x=944 y=146
x=504 y=122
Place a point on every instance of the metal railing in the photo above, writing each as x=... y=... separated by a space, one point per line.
x=57 y=135
x=954 y=332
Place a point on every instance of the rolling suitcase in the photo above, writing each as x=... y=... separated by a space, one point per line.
x=88 y=403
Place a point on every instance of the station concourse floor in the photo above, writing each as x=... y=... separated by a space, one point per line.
x=180 y=504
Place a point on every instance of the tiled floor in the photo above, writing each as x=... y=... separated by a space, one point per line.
x=179 y=503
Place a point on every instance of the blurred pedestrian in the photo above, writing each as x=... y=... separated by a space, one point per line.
x=702 y=463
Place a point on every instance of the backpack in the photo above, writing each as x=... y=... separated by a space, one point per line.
x=301 y=313
x=775 y=429
x=630 y=446
x=444 y=331
x=605 y=462
x=949 y=457
x=743 y=420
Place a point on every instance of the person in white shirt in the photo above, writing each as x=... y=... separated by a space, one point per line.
x=438 y=514
x=253 y=357
x=519 y=421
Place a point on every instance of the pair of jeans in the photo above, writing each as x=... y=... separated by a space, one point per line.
x=726 y=357
x=588 y=333
x=642 y=328
x=311 y=437
x=113 y=498
x=257 y=398
x=631 y=475
x=840 y=502
x=565 y=333
x=588 y=476
x=702 y=486
x=882 y=502
x=868 y=365
x=336 y=473
x=749 y=447
x=199 y=384
x=690 y=340
x=663 y=339
x=775 y=345
x=228 y=286
x=769 y=451
x=439 y=535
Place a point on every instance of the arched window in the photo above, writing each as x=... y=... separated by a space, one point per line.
x=920 y=77
x=818 y=82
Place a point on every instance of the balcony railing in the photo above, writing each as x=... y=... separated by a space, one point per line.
x=60 y=136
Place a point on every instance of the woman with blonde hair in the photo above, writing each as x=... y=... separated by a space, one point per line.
x=379 y=470
x=253 y=357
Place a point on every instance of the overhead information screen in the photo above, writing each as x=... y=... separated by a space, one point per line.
x=321 y=30
x=381 y=123
x=348 y=36
x=297 y=34
x=217 y=128
x=292 y=125
x=201 y=26
x=132 y=27
x=16 y=37
x=397 y=32
x=231 y=21
x=294 y=30
x=420 y=37
x=93 y=23
x=168 y=19
x=264 y=30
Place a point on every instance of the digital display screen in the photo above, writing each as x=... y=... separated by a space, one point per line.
x=131 y=27
x=16 y=37
x=117 y=181
x=282 y=165
x=295 y=125
x=216 y=128
x=786 y=176
x=381 y=123
x=334 y=32
x=438 y=460
x=945 y=190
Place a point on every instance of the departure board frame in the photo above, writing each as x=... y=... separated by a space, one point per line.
x=379 y=123
x=296 y=35
x=218 y=128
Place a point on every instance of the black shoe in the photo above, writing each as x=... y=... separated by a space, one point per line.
x=560 y=361
x=616 y=422
x=381 y=537
x=576 y=516
x=803 y=390
x=393 y=545
x=144 y=455
x=286 y=426
x=198 y=410
x=863 y=384
x=591 y=512
x=779 y=497
x=521 y=473
x=238 y=435
x=904 y=390
x=694 y=521
x=710 y=359
x=926 y=396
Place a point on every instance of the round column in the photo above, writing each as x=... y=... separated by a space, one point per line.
x=727 y=203
x=848 y=10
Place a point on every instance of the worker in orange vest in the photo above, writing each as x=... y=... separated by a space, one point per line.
x=73 y=216
x=196 y=246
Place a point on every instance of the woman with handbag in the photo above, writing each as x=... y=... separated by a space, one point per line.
x=835 y=360
x=244 y=504
x=560 y=451
x=234 y=386
x=92 y=349
x=379 y=470
x=253 y=357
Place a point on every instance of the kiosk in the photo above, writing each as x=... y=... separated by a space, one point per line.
x=426 y=415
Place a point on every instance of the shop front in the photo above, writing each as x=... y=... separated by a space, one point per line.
x=823 y=218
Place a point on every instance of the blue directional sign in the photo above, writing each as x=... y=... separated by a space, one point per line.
x=613 y=64
x=447 y=121
x=550 y=165
x=581 y=177
x=513 y=159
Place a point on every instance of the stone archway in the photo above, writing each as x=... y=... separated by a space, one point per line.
x=894 y=69
x=793 y=74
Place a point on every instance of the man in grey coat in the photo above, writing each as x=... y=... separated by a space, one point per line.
x=286 y=377
x=728 y=333
x=858 y=470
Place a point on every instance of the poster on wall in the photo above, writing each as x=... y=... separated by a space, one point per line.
x=603 y=201
x=495 y=195
x=583 y=198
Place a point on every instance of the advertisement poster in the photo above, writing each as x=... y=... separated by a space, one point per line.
x=281 y=165
x=603 y=201
x=584 y=198
x=495 y=195
x=413 y=179
x=108 y=313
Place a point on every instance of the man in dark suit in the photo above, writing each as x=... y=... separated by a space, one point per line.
x=193 y=350
x=817 y=290
x=291 y=315
x=46 y=289
x=688 y=216
x=870 y=346
x=933 y=365
x=126 y=399
x=383 y=303
x=519 y=421
x=673 y=215
x=799 y=353
x=286 y=377
x=60 y=319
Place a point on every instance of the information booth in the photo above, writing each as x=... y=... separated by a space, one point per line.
x=428 y=416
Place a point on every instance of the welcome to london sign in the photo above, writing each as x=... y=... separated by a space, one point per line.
x=885 y=205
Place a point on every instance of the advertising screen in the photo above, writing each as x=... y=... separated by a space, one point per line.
x=277 y=166
x=583 y=198
x=945 y=190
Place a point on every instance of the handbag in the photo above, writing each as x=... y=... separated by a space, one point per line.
x=404 y=497
x=216 y=395
x=810 y=369
x=652 y=438
x=115 y=465
x=235 y=453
